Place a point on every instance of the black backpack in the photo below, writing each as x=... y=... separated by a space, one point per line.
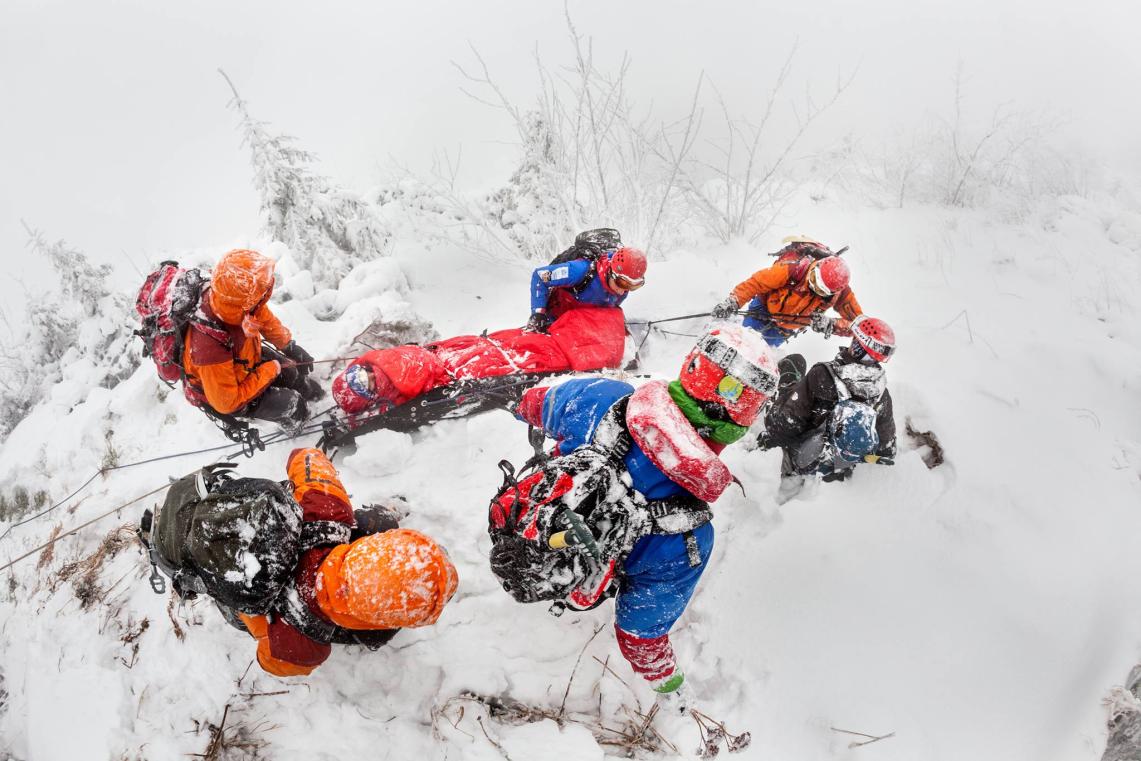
x=582 y=500
x=545 y=525
x=235 y=539
x=591 y=244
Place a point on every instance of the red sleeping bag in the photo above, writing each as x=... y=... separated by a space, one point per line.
x=587 y=338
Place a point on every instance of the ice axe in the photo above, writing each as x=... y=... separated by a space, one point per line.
x=577 y=534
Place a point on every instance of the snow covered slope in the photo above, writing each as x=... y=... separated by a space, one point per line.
x=979 y=610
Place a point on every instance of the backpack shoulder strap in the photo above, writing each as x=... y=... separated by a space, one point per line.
x=798 y=265
x=591 y=271
x=842 y=391
x=611 y=435
x=209 y=340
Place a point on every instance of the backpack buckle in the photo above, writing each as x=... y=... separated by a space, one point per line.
x=158 y=583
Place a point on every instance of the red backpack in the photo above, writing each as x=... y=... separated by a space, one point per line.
x=801 y=256
x=166 y=302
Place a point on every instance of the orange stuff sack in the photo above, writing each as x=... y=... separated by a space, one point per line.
x=395 y=579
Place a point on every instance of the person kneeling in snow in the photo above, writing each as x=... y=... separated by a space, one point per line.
x=227 y=366
x=663 y=439
x=596 y=271
x=293 y=565
x=837 y=414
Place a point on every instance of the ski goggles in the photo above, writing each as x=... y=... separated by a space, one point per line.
x=736 y=368
x=627 y=283
x=816 y=283
x=360 y=381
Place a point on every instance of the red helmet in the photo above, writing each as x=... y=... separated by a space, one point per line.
x=627 y=266
x=734 y=367
x=873 y=337
x=361 y=386
x=828 y=276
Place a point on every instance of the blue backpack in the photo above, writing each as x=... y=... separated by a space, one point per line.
x=852 y=429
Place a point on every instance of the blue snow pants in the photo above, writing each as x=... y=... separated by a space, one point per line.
x=658 y=582
x=773 y=334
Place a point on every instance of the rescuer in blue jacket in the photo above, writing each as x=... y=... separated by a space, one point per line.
x=598 y=278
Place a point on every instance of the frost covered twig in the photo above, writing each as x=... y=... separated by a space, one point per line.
x=634 y=735
x=870 y=738
x=232 y=742
x=563 y=705
x=713 y=732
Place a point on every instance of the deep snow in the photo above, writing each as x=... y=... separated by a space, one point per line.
x=979 y=610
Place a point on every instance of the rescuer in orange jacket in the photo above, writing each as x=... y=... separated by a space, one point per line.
x=228 y=366
x=357 y=592
x=806 y=280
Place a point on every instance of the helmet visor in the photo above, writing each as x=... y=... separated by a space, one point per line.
x=728 y=359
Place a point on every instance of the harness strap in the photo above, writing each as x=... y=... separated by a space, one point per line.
x=677 y=515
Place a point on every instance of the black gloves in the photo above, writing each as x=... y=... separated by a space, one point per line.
x=375 y=519
x=303 y=358
x=822 y=324
x=726 y=308
x=537 y=323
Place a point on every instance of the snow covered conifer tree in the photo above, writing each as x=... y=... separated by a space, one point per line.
x=328 y=229
x=530 y=208
x=82 y=325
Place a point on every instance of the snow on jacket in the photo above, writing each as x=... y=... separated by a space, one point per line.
x=399 y=578
x=590 y=338
x=577 y=282
x=658 y=578
x=222 y=353
x=807 y=405
x=783 y=289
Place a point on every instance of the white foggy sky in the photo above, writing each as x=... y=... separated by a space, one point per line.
x=114 y=132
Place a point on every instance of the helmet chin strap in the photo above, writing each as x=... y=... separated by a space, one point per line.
x=856 y=353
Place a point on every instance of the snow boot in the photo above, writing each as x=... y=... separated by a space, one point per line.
x=310 y=389
x=675 y=697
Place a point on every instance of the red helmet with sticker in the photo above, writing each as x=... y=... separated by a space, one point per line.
x=874 y=337
x=828 y=276
x=624 y=271
x=734 y=367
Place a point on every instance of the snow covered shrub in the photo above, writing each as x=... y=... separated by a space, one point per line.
x=79 y=330
x=19 y=501
x=591 y=159
x=1003 y=160
x=328 y=229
